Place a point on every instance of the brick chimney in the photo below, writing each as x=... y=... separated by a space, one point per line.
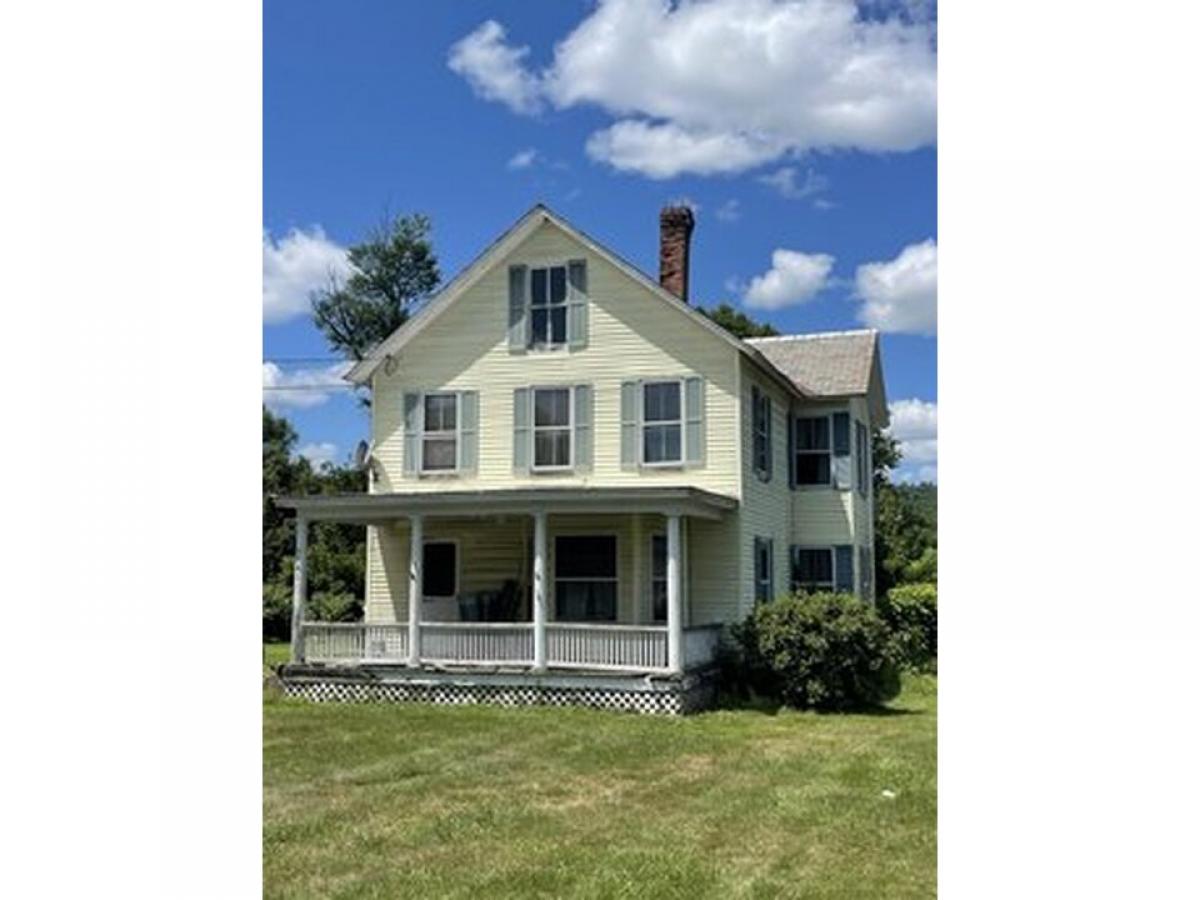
x=675 y=224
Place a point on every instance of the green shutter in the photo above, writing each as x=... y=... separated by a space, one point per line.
x=629 y=424
x=468 y=431
x=769 y=415
x=693 y=398
x=843 y=568
x=521 y=430
x=583 y=428
x=518 y=316
x=577 y=304
x=412 y=433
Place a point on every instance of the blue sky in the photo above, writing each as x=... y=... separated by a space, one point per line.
x=815 y=184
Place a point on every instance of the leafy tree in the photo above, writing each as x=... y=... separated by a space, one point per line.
x=737 y=322
x=393 y=268
x=905 y=531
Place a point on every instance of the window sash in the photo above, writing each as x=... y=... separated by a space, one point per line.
x=546 y=300
x=555 y=431
x=820 y=444
x=658 y=577
x=813 y=584
x=441 y=436
x=600 y=601
x=762 y=438
x=664 y=427
x=426 y=568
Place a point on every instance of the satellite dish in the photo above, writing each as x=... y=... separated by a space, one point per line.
x=361 y=454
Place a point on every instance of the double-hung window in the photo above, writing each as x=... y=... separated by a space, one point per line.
x=761 y=425
x=439 y=569
x=862 y=457
x=548 y=307
x=658 y=577
x=439 y=441
x=764 y=565
x=552 y=423
x=812 y=569
x=813 y=450
x=662 y=423
x=585 y=578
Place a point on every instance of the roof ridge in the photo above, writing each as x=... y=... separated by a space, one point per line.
x=816 y=335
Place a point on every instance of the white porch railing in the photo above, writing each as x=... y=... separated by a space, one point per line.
x=354 y=642
x=588 y=646
x=700 y=645
x=483 y=643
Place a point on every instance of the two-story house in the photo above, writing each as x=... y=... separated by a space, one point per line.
x=577 y=479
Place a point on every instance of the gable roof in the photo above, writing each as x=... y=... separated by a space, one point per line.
x=830 y=364
x=466 y=278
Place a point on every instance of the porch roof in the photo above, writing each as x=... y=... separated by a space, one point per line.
x=367 y=508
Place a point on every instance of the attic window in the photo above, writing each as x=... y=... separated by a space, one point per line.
x=548 y=307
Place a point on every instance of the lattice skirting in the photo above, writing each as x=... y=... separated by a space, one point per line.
x=671 y=702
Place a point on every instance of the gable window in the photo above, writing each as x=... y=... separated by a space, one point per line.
x=812 y=450
x=662 y=423
x=439 y=441
x=812 y=569
x=761 y=427
x=658 y=577
x=764 y=577
x=552 y=428
x=439 y=569
x=548 y=307
x=585 y=578
x=862 y=457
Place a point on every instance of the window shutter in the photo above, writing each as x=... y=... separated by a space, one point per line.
x=757 y=569
x=583 y=428
x=577 y=304
x=768 y=414
x=770 y=568
x=521 y=430
x=843 y=568
x=629 y=424
x=412 y=433
x=468 y=431
x=791 y=448
x=841 y=450
x=518 y=316
x=693 y=400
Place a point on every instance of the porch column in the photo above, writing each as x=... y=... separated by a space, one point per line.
x=416 y=562
x=674 y=597
x=299 y=588
x=539 y=591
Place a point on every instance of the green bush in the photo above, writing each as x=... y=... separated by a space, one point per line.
x=333 y=606
x=277 y=612
x=910 y=612
x=821 y=651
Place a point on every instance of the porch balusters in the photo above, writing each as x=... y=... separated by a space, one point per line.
x=416 y=562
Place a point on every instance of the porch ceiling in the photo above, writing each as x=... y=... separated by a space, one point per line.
x=367 y=508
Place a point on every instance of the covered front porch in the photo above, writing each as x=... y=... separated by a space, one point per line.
x=535 y=582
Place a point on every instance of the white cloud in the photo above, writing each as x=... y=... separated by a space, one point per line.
x=725 y=85
x=523 y=159
x=729 y=211
x=295 y=266
x=495 y=70
x=793 y=278
x=914 y=425
x=784 y=181
x=900 y=295
x=319 y=454
x=301 y=388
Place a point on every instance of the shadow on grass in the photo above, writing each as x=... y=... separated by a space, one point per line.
x=769 y=706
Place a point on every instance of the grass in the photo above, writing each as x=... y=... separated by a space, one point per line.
x=422 y=801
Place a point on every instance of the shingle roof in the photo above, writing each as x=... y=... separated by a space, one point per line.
x=833 y=364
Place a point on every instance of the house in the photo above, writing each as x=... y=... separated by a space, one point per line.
x=577 y=480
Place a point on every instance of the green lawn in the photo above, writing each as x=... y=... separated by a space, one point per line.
x=420 y=801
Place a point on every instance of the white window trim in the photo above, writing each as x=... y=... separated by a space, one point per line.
x=426 y=433
x=833 y=567
x=533 y=428
x=457 y=568
x=565 y=265
x=616 y=579
x=681 y=422
x=828 y=416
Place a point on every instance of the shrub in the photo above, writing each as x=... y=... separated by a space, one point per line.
x=277 y=612
x=824 y=651
x=910 y=612
x=331 y=606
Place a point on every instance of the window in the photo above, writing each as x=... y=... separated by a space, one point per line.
x=662 y=423
x=862 y=457
x=585 y=578
x=439 y=444
x=761 y=424
x=764 y=580
x=812 y=569
x=658 y=577
x=439 y=569
x=552 y=428
x=548 y=307
x=812 y=450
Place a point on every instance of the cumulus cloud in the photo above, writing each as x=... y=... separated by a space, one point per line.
x=495 y=70
x=295 y=266
x=914 y=425
x=725 y=85
x=900 y=295
x=784 y=181
x=523 y=159
x=301 y=388
x=793 y=278
x=319 y=454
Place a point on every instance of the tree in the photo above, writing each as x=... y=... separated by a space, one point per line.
x=393 y=268
x=737 y=322
x=905 y=531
